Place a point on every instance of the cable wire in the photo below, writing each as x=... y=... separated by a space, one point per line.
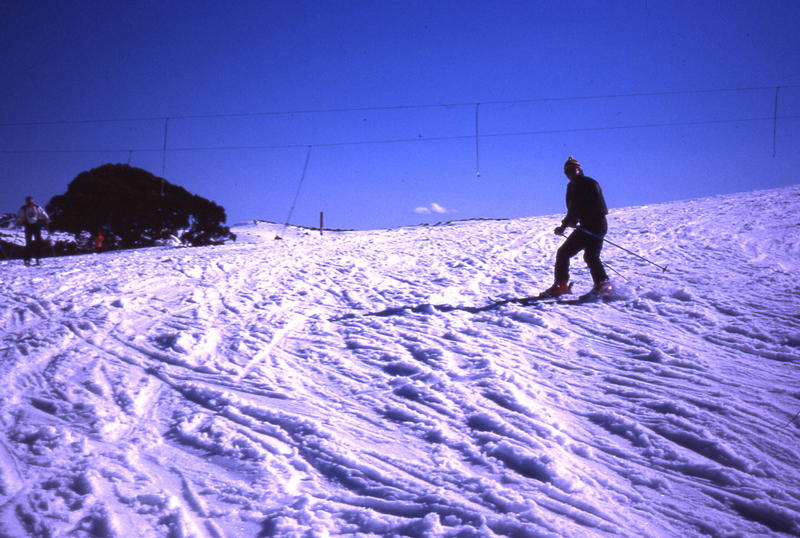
x=395 y=107
x=471 y=136
x=297 y=194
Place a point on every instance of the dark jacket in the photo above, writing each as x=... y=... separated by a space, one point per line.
x=586 y=205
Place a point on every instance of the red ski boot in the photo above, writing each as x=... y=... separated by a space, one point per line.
x=558 y=289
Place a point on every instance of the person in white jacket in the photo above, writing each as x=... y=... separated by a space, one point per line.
x=32 y=217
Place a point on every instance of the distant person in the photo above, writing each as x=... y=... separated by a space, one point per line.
x=586 y=211
x=32 y=217
x=98 y=241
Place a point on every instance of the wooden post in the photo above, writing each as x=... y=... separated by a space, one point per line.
x=320 y=223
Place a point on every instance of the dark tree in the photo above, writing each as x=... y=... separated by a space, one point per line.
x=130 y=204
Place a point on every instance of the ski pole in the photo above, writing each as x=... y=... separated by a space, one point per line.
x=662 y=267
x=614 y=270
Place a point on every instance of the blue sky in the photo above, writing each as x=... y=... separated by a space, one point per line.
x=358 y=72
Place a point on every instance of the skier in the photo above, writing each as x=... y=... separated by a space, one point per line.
x=32 y=217
x=587 y=207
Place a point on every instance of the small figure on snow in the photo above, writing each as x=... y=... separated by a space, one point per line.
x=98 y=241
x=32 y=217
x=586 y=211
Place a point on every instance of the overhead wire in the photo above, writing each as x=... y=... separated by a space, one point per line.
x=397 y=107
x=419 y=138
x=477 y=135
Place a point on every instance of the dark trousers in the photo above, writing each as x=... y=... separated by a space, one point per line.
x=591 y=247
x=33 y=241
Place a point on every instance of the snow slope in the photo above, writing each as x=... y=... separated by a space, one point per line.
x=310 y=386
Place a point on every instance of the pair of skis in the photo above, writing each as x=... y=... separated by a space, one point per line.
x=427 y=308
x=566 y=298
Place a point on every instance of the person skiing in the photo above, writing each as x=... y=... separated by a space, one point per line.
x=32 y=217
x=585 y=207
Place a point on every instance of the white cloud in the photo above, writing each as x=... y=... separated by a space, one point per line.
x=433 y=208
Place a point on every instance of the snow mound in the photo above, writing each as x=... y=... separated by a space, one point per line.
x=372 y=384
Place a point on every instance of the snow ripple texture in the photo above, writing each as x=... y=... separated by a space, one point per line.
x=363 y=383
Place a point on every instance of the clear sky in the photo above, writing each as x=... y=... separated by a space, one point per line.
x=355 y=72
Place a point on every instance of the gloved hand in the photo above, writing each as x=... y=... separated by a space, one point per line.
x=559 y=230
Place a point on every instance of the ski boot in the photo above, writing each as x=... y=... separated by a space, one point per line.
x=601 y=288
x=558 y=289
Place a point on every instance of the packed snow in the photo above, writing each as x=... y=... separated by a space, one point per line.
x=374 y=383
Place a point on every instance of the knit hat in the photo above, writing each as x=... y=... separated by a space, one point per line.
x=571 y=163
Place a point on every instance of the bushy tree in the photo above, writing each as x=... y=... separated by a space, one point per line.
x=129 y=203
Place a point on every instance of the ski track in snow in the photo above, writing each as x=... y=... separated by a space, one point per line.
x=310 y=386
